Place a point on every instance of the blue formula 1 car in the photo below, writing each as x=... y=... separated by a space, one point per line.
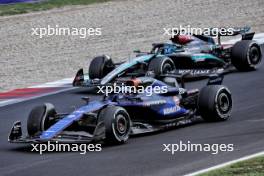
x=198 y=55
x=114 y=118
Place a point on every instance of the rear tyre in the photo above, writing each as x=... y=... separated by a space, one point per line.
x=40 y=118
x=246 y=55
x=100 y=66
x=117 y=124
x=215 y=103
x=161 y=65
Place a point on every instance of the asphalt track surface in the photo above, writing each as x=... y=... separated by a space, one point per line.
x=143 y=155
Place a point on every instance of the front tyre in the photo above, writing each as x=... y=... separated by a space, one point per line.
x=246 y=55
x=215 y=103
x=100 y=66
x=40 y=119
x=117 y=124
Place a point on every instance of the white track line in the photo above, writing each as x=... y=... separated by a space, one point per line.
x=60 y=83
x=66 y=84
x=14 y=101
x=6 y=102
x=226 y=164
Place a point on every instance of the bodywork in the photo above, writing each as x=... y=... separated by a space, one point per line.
x=148 y=114
x=200 y=58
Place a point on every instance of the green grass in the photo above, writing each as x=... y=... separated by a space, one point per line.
x=45 y=5
x=252 y=167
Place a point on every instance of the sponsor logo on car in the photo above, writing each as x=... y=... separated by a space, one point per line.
x=157 y=102
x=195 y=72
x=171 y=110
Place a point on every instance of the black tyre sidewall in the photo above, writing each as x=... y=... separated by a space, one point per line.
x=157 y=65
x=208 y=103
x=240 y=57
x=108 y=115
x=257 y=48
x=38 y=119
x=97 y=67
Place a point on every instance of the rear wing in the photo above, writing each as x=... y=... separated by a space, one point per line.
x=243 y=31
x=222 y=31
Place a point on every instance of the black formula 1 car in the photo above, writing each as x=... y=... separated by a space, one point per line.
x=201 y=56
x=114 y=118
x=198 y=55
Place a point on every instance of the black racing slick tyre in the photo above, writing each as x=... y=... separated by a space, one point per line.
x=117 y=124
x=100 y=66
x=246 y=55
x=161 y=65
x=40 y=118
x=215 y=103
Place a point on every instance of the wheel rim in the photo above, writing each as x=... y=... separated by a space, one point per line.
x=121 y=124
x=224 y=103
x=254 y=55
x=167 y=68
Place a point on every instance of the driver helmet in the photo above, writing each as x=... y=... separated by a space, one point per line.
x=181 y=39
